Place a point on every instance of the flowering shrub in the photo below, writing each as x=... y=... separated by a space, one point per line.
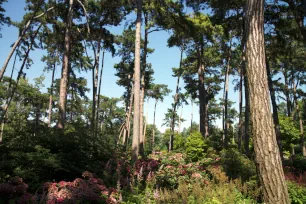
x=13 y=188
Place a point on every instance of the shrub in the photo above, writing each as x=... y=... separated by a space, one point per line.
x=195 y=146
x=237 y=165
x=297 y=193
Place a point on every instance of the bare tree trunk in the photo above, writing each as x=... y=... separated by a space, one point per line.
x=136 y=120
x=51 y=97
x=175 y=106
x=287 y=94
x=16 y=44
x=191 y=116
x=2 y=124
x=299 y=112
x=153 y=136
x=180 y=118
x=142 y=94
x=146 y=123
x=246 y=114
x=95 y=78
x=99 y=89
x=202 y=93
x=65 y=70
x=129 y=115
x=225 y=97
x=240 y=109
x=268 y=161
x=274 y=108
x=9 y=99
x=206 y=120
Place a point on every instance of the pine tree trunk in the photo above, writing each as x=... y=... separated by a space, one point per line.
x=299 y=112
x=202 y=93
x=136 y=120
x=153 y=134
x=268 y=161
x=191 y=116
x=95 y=78
x=246 y=115
x=65 y=69
x=225 y=97
x=287 y=94
x=99 y=90
x=146 y=123
x=274 y=108
x=51 y=97
x=180 y=120
x=175 y=106
x=240 y=109
x=25 y=58
x=141 y=138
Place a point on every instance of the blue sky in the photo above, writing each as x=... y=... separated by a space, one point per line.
x=163 y=60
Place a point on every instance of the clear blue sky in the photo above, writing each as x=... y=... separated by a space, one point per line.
x=163 y=60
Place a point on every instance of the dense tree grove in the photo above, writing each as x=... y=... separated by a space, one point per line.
x=240 y=64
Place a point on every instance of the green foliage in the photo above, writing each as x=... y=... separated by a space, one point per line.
x=297 y=193
x=195 y=146
x=290 y=134
x=237 y=165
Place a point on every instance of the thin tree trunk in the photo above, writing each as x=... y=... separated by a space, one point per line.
x=246 y=115
x=287 y=94
x=206 y=120
x=99 y=89
x=180 y=120
x=2 y=124
x=129 y=115
x=225 y=97
x=136 y=120
x=142 y=94
x=146 y=123
x=16 y=44
x=153 y=135
x=95 y=78
x=268 y=161
x=175 y=106
x=191 y=116
x=9 y=100
x=274 y=108
x=240 y=109
x=65 y=69
x=51 y=97
x=299 y=112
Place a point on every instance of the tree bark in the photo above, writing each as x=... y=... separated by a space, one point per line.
x=65 y=69
x=180 y=118
x=225 y=97
x=240 y=108
x=16 y=44
x=202 y=93
x=267 y=155
x=153 y=134
x=175 y=105
x=146 y=123
x=274 y=108
x=299 y=112
x=99 y=89
x=136 y=120
x=246 y=114
x=51 y=97
x=95 y=78
x=9 y=99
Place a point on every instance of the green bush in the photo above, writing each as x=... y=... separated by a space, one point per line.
x=297 y=193
x=195 y=146
x=237 y=165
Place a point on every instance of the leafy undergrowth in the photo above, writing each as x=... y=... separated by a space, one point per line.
x=161 y=178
